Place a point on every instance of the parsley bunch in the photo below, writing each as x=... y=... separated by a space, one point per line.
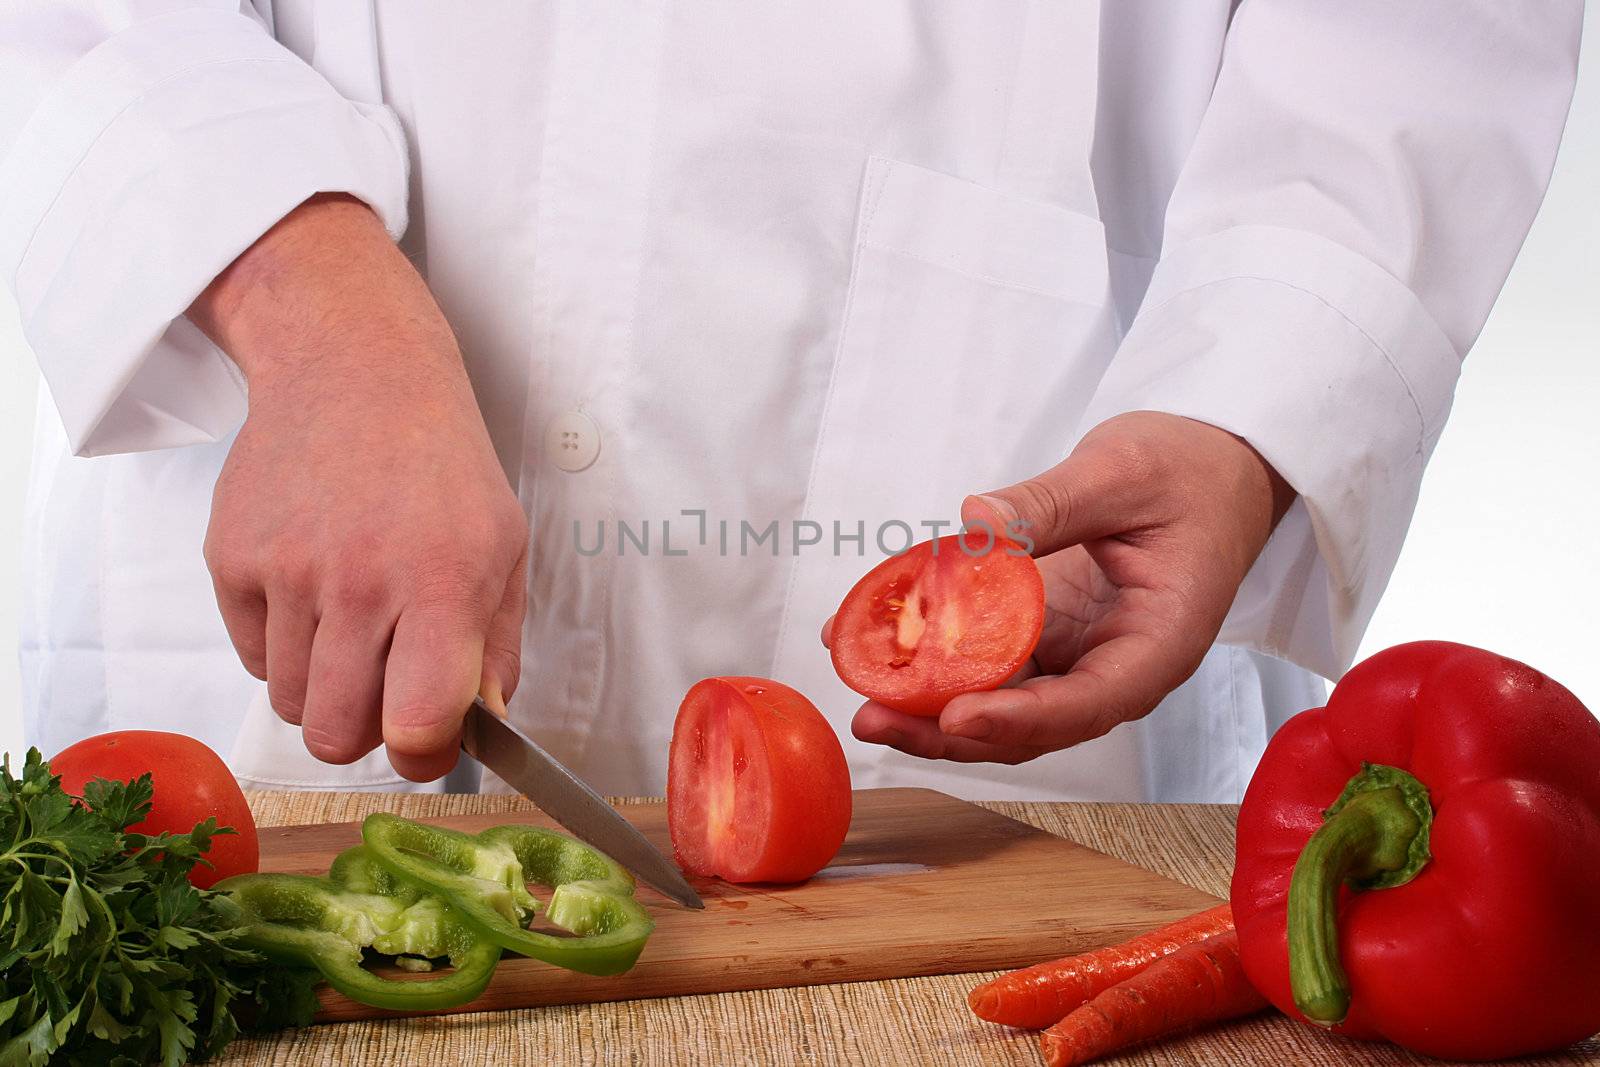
x=107 y=954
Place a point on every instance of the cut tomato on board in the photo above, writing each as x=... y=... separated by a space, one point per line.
x=955 y=615
x=758 y=789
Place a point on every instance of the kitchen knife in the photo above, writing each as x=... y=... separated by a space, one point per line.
x=567 y=799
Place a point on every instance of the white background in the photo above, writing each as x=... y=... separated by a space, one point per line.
x=1505 y=549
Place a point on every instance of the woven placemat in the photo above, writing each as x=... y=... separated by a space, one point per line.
x=906 y=1022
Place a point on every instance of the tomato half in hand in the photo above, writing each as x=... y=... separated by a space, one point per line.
x=190 y=783
x=959 y=614
x=758 y=789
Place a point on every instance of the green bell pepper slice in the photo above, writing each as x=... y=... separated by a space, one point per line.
x=326 y=923
x=484 y=878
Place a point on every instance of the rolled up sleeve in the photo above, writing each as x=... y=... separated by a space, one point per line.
x=1361 y=183
x=157 y=149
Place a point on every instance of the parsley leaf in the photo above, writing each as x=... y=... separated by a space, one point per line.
x=108 y=955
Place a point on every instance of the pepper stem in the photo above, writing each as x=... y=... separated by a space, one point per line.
x=1375 y=836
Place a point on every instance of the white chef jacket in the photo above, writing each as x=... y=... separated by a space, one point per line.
x=829 y=266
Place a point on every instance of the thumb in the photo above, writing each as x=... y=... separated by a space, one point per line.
x=1082 y=498
x=502 y=647
x=435 y=666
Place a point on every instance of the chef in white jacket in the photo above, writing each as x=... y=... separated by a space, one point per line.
x=697 y=311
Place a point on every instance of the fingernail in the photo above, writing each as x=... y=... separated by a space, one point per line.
x=1002 y=508
x=973 y=729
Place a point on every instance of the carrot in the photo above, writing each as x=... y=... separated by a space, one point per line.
x=1037 y=996
x=1200 y=983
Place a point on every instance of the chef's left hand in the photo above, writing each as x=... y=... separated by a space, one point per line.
x=1143 y=534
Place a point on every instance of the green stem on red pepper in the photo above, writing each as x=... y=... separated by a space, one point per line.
x=1375 y=836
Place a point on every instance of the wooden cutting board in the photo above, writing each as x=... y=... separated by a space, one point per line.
x=925 y=884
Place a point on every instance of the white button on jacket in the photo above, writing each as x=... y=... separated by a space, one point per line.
x=814 y=270
x=573 y=441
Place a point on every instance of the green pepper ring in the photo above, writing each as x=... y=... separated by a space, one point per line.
x=483 y=879
x=326 y=922
x=424 y=891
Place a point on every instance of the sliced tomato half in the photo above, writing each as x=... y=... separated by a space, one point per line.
x=959 y=614
x=758 y=789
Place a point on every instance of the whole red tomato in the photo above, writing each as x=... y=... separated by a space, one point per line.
x=955 y=615
x=758 y=789
x=190 y=781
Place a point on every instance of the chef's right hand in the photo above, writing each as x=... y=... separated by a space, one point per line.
x=367 y=551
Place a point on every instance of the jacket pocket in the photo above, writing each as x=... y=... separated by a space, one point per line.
x=977 y=326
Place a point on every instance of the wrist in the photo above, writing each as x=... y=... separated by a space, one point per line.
x=1281 y=492
x=1240 y=467
x=324 y=287
x=252 y=297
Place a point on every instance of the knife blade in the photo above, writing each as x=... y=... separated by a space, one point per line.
x=567 y=799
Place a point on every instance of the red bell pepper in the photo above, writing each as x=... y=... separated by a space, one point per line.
x=1420 y=860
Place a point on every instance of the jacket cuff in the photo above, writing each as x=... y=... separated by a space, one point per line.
x=155 y=161
x=1331 y=369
